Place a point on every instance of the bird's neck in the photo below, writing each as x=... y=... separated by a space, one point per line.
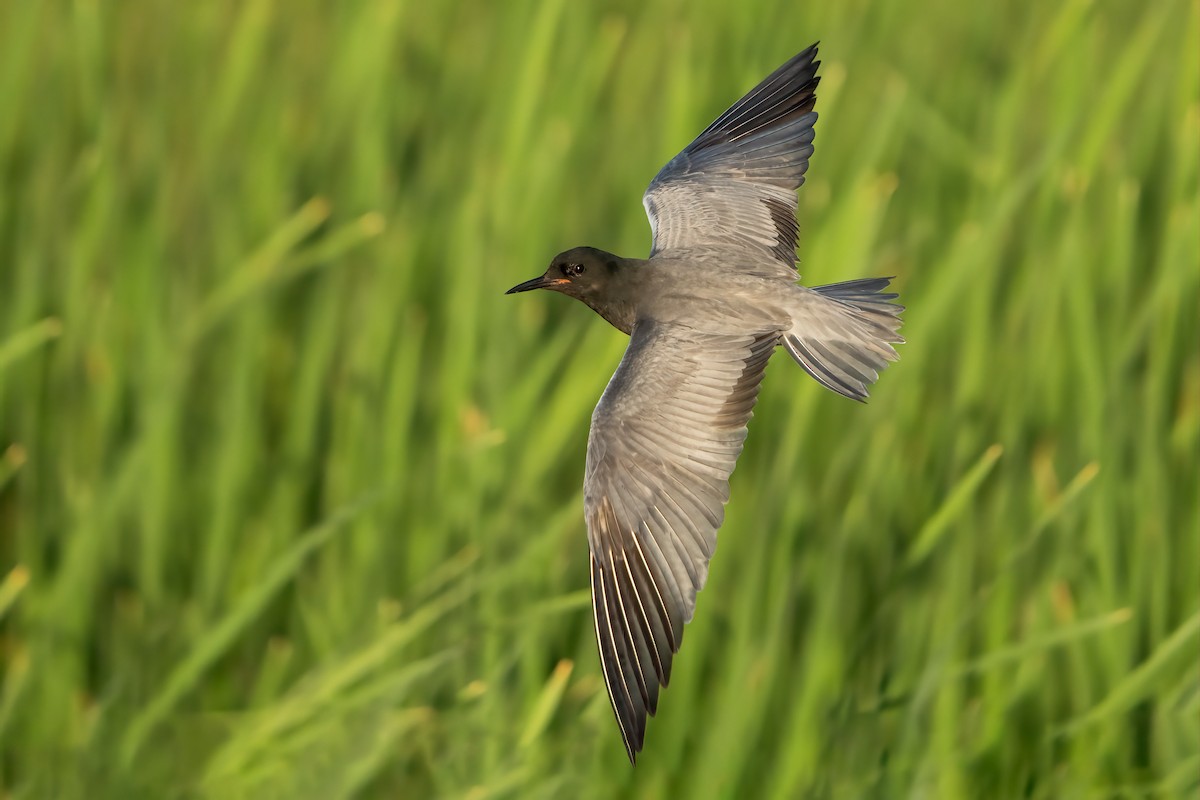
x=621 y=299
x=618 y=312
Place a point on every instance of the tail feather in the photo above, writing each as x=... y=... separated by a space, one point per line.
x=842 y=334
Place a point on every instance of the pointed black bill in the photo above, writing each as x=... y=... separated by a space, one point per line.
x=540 y=282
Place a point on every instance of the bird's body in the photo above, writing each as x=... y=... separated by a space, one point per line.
x=704 y=313
x=681 y=286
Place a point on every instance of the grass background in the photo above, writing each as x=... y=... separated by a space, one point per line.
x=290 y=493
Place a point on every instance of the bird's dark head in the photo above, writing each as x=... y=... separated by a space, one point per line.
x=582 y=273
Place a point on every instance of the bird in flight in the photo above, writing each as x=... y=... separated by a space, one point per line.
x=703 y=313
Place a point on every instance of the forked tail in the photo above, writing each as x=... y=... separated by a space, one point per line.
x=842 y=334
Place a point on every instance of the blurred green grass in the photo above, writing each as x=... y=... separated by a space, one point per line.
x=290 y=493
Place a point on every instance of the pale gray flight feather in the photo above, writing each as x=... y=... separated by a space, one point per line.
x=663 y=443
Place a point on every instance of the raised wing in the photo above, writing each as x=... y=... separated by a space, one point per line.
x=664 y=440
x=735 y=185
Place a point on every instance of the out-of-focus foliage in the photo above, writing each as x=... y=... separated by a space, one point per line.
x=289 y=491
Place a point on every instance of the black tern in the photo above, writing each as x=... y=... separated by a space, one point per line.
x=704 y=313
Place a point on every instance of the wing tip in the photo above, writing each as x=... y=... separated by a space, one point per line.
x=631 y=721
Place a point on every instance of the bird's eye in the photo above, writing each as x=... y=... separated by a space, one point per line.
x=576 y=269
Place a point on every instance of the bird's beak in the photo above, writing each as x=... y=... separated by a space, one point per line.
x=540 y=282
